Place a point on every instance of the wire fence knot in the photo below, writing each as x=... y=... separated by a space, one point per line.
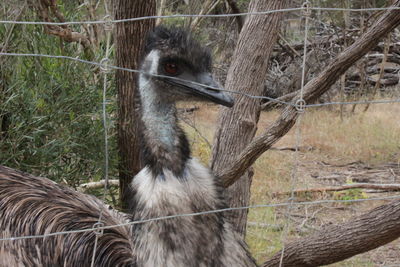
x=108 y=23
x=300 y=105
x=97 y=228
x=306 y=8
x=105 y=65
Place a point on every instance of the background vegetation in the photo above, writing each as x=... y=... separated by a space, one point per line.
x=50 y=109
x=51 y=125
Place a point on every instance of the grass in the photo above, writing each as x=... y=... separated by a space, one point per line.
x=372 y=137
x=264 y=239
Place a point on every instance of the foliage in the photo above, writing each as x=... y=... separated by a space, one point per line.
x=53 y=108
x=351 y=194
x=51 y=124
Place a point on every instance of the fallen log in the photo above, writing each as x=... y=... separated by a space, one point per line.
x=97 y=185
x=334 y=243
x=386 y=187
x=287 y=148
x=389 y=67
x=388 y=79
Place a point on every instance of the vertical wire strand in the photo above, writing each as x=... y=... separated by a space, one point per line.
x=303 y=71
x=298 y=130
x=105 y=124
x=300 y=106
x=105 y=69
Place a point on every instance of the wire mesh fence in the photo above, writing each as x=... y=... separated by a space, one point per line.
x=298 y=103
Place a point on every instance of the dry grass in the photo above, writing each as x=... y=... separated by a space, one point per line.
x=372 y=137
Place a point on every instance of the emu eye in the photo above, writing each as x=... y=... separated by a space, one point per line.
x=171 y=68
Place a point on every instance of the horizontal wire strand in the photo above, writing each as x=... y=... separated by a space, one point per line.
x=275 y=100
x=195 y=15
x=142 y=72
x=235 y=92
x=199 y=213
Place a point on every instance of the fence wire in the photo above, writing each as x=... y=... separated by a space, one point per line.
x=284 y=204
x=284 y=10
x=105 y=69
x=275 y=100
x=300 y=107
x=105 y=65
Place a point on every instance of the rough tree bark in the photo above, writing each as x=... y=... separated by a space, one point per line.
x=237 y=126
x=312 y=91
x=383 y=230
x=129 y=40
x=337 y=243
x=364 y=233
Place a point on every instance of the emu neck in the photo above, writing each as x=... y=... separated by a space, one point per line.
x=166 y=146
x=159 y=119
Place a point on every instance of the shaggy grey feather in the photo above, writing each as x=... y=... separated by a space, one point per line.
x=171 y=183
x=31 y=205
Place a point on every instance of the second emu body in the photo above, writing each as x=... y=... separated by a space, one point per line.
x=172 y=183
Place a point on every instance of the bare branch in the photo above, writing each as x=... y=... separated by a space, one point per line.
x=335 y=243
x=386 y=187
x=48 y=8
x=312 y=91
x=381 y=72
x=160 y=10
x=205 y=10
x=97 y=185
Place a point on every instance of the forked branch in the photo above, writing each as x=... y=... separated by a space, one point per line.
x=338 y=242
x=46 y=10
x=312 y=91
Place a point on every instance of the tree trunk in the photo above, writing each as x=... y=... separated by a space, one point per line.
x=237 y=126
x=339 y=242
x=129 y=40
x=369 y=231
x=313 y=90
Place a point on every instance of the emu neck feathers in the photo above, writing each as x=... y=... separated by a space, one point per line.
x=165 y=144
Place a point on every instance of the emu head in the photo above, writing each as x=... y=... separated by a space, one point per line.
x=174 y=53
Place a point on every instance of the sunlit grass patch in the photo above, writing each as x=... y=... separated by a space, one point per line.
x=373 y=136
x=264 y=233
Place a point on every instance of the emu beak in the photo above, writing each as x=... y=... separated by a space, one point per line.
x=209 y=93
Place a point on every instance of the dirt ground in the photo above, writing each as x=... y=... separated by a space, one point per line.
x=363 y=148
x=326 y=175
x=265 y=234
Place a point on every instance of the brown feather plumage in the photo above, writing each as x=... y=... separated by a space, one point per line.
x=172 y=183
x=31 y=205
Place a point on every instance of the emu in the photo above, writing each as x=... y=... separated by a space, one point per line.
x=172 y=182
